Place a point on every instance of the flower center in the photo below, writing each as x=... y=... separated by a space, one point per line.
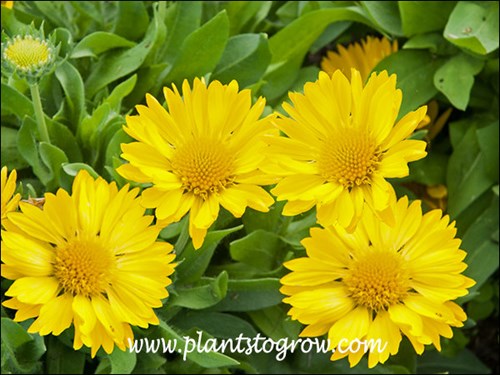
x=204 y=166
x=27 y=53
x=350 y=160
x=83 y=267
x=378 y=280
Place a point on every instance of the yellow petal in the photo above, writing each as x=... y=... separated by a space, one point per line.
x=34 y=290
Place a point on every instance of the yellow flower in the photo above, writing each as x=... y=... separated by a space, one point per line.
x=380 y=282
x=90 y=259
x=8 y=4
x=203 y=153
x=10 y=201
x=362 y=57
x=342 y=143
x=30 y=55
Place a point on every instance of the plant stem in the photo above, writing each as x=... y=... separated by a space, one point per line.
x=39 y=115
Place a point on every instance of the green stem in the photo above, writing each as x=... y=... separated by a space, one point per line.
x=39 y=115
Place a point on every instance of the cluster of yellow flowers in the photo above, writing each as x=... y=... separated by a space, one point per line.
x=378 y=268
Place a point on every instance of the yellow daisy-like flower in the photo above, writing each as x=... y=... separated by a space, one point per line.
x=202 y=153
x=342 y=144
x=8 y=4
x=380 y=283
x=90 y=259
x=362 y=57
x=10 y=202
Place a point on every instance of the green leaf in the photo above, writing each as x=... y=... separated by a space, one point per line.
x=418 y=17
x=270 y=221
x=294 y=40
x=258 y=249
x=430 y=170
x=64 y=39
x=10 y=23
x=273 y=322
x=10 y=154
x=16 y=103
x=332 y=32
x=214 y=323
x=99 y=42
x=245 y=59
x=62 y=359
x=385 y=14
x=487 y=138
x=132 y=20
x=244 y=15
x=195 y=262
x=72 y=84
x=91 y=123
x=119 y=92
x=280 y=79
x=250 y=295
x=148 y=78
x=183 y=18
x=201 y=50
x=300 y=229
x=72 y=169
x=114 y=149
x=204 y=359
x=20 y=350
x=456 y=77
x=115 y=65
x=28 y=148
x=467 y=178
x=53 y=157
x=482 y=250
x=206 y=293
x=149 y=363
x=431 y=362
x=122 y=362
x=473 y=26
x=434 y=42
x=62 y=137
x=56 y=13
x=414 y=70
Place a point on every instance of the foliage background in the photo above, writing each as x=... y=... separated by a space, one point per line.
x=114 y=52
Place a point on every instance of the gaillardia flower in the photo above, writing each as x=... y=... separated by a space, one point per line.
x=380 y=283
x=202 y=153
x=90 y=259
x=362 y=57
x=10 y=201
x=30 y=55
x=342 y=144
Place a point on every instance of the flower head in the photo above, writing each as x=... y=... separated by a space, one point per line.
x=89 y=259
x=202 y=153
x=30 y=55
x=380 y=282
x=8 y=4
x=362 y=57
x=342 y=144
x=10 y=201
